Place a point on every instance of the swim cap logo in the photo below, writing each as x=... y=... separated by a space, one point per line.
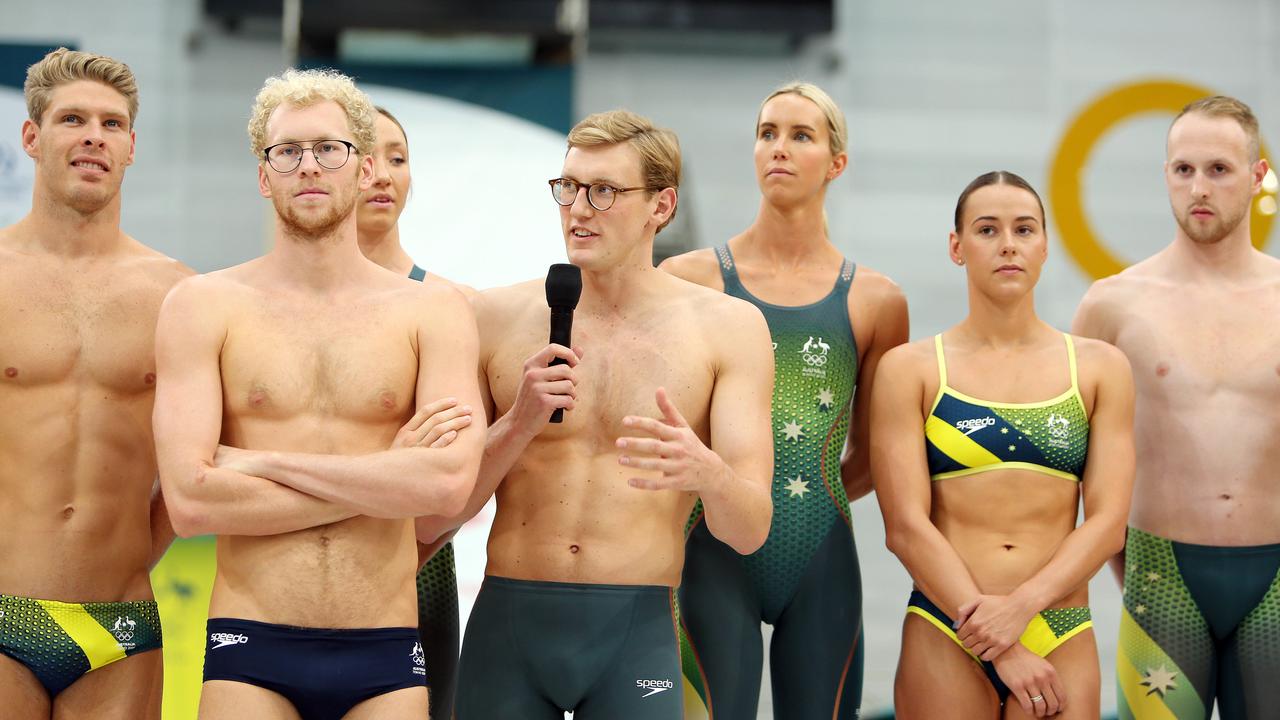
x=654 y=686
x=972 y=426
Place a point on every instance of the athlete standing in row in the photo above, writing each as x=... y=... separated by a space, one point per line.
x=1201 y=567
x=830 y=323
x=980 y=479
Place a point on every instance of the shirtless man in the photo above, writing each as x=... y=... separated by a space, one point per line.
x=282 y=382
x=1201 y=616
x=588 y=541
x=80 y=525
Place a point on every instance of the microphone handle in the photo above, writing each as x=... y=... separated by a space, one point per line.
x=561 y=332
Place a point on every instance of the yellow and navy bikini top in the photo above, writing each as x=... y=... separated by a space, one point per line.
x=965 y=435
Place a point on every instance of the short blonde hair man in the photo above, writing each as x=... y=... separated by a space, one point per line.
x=63 y=66
x=1221 y=106
x=302 y=88
x=658 y=147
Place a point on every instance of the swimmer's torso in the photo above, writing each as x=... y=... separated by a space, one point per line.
x=1007 y=522
x=565 y=510
x=1206 y=365
x=331 y=377
x=77 y=383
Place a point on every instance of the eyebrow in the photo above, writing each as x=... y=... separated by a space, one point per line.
x=993 y=218
x=83 y=111
x=596 y=181
x=800 y=126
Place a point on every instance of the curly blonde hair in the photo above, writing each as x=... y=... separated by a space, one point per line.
x=63 y=66
x=659 y=148
x=303 y=88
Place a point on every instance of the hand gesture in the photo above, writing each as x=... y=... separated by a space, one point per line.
x=544 y=388
x=670 y=447
x=1032 y=680
x=435 y=425
x=991 y=624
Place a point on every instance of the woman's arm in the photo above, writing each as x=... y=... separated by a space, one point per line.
x=901 y=480
x=991 y=624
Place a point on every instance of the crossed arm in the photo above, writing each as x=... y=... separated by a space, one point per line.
x=228 y=491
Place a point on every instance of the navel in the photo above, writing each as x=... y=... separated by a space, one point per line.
x=67 y=512
x=574 y=549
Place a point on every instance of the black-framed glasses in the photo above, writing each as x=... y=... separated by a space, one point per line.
x=600 y=195
x=329 y=154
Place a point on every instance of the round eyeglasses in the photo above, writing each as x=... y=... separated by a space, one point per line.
x=600 y=195
x=329 y=154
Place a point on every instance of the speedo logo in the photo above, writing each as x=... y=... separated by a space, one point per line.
x=972 y=426
x=225 y=639
x=654 y=686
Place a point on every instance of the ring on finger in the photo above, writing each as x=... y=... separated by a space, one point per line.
x=1037 y=698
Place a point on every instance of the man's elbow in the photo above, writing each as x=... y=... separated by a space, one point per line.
x=187 y=518
x=445 y=493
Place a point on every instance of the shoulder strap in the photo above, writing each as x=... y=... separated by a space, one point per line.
x=1071 y=361
x=728 y=271
x=847 y=269
x=942 y=362
x=417 y=273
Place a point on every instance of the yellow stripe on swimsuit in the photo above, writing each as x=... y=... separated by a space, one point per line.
x=965 y=435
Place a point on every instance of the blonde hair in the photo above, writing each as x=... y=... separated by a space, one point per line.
x=63 y=66
x=303 y=88
x=1221 y=106
x=659 y=148
x=837 y=128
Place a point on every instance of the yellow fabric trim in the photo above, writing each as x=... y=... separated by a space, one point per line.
x=1071 y=360
x=98 y=645
x=1064 y=395
x=956 y=445
x=1141 y=704
x=1073 y=390
x=1039 y=638
x=998 y=465
x=943 y=627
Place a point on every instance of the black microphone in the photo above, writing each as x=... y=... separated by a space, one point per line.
x=564 y=287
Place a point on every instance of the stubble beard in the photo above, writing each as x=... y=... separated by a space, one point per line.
x=309 y=228
x=1222 y=225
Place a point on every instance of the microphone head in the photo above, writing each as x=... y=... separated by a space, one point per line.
x=564 y=286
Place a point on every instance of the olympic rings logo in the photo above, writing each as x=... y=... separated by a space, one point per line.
x=1083 y=134
x=818 y=360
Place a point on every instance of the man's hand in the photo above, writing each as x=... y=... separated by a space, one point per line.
x=544 y=388
x=991 y=624
x=435 y=425
x=232 y=458
x=1032 y=680
x=672 y=449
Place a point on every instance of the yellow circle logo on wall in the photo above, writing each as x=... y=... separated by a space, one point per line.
x=1083 y=134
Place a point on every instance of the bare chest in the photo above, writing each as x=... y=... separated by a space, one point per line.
x=1201 y=346
x=280 y=362
x=621 y=370
x=91 y=328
